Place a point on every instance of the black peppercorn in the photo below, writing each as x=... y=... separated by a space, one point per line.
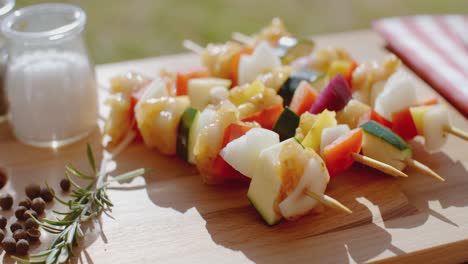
x=20 y=234
x=33 y=191
x=3 y=178
x=2 y=234
x=65 y=185
x=26 y=202
x=28 y=214
x=19 y=212
x=33 y=235
x=3 y=222
x=30 y=223
x=22 y=247
x=9 y=245
x=16 y=226
x=46 y=194
x=38 y=205
x=6 y=201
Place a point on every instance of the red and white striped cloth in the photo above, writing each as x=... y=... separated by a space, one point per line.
x=436 y=48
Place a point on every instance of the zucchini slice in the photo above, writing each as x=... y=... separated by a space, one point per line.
x=382 y=144
x=289 y=87
x=186 y=135
x=265 y=187
x=385 y=134
x=286 y=124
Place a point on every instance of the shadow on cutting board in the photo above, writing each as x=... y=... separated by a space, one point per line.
x=233 y=223
x=422 y=190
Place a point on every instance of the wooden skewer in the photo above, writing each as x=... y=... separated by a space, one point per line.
x=423 y=169
x=242 y=38
x=328 y=201
x=192 y=46
x=378 y=165
x=457 y=132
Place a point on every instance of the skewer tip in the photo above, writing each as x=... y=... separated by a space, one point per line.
x=242 y=38
x=192 y=46
x=378 y=165
x=423 y=169
x=329 y=201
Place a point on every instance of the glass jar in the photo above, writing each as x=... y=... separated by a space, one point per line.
x=5 y=7
x=50 y=80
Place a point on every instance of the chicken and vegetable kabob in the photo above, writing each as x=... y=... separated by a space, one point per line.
x=273 y=111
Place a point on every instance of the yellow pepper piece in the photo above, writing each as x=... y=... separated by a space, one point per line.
x=324 y=120
x=417 y=113
x=338 y=67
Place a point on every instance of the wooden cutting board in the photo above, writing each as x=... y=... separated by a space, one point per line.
x=170 y=216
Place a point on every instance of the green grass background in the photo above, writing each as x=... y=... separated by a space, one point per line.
x=129 y=29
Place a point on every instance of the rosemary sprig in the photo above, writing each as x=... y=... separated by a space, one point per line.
x=87 y=203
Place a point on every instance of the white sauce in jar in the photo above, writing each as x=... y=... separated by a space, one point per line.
x=52 y=96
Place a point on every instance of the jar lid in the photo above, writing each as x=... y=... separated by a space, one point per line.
x=44 y=22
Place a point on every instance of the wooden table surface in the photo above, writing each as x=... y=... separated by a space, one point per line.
x=170 y=216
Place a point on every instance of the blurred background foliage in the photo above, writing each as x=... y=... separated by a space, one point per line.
x=122 y=30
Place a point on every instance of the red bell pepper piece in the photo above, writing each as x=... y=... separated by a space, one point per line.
x=303 y=98
x=136 y=95
x=338 y=155
x=222 y=169
x=403 y=124
x=133 y=102
x=220 y=166
x=349 y=75
x=234 y=131
x=184 y=78
x=373 y=115
x=267 y=117
x=380 y=119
